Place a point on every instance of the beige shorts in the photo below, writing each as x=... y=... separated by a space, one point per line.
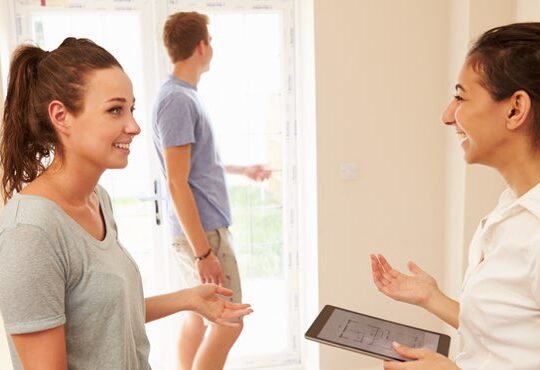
x=220 y=241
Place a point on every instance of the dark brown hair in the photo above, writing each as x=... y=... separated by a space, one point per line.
x=508 y=60
x=37 y=77
x=182 y=32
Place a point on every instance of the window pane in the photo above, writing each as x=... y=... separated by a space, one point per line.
x=247 y=92
x=244 y=92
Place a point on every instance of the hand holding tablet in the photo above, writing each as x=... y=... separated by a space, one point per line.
x=370 y=335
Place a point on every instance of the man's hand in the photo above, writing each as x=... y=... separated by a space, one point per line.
x=210 y=270
x=257 y=172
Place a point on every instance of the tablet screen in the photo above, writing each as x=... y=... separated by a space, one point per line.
x=373 y=335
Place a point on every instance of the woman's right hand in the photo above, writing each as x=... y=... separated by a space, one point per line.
x=416 y=289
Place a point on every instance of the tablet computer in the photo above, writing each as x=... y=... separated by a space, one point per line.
x=370 y=335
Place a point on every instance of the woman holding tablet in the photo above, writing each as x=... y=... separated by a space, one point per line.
x=496 y=114
x=70 y=294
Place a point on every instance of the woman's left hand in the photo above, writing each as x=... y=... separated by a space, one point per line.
x=206 y=301
x=424 y=359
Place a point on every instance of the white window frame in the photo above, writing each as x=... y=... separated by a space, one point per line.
x=295 y=149
x=293 y=358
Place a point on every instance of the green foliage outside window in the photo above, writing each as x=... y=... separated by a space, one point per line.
x=257 y=230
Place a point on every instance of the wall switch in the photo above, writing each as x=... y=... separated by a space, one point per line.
x=348 y=171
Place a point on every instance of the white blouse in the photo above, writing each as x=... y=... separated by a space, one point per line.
x=500 y=299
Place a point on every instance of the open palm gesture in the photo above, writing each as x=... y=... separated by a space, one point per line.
x=206 y=301
x=416 y=289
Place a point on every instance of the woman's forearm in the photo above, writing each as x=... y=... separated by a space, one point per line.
x=163 y=305
x=444 y=308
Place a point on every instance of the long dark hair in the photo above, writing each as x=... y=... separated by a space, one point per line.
x=37 y=77
x=508 y=59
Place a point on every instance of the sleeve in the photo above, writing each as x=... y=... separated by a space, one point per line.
x=176 y=120
x=32 y=281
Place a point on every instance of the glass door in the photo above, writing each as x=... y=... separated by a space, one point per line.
x=121 y=29
x=249 y=93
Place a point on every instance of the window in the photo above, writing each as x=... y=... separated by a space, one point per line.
x=249 y=93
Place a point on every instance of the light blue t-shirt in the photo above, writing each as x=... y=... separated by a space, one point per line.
x=178 y=119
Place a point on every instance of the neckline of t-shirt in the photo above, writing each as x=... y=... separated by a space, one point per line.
x=182 y=82
x=74 y=224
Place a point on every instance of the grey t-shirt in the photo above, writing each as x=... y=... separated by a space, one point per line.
x=53 y=272
x=178 y=119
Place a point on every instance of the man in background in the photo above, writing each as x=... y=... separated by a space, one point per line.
x=198 y=205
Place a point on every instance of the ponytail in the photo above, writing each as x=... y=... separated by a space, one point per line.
x=20 y=152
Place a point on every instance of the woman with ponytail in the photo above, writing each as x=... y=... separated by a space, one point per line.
x=70 y=294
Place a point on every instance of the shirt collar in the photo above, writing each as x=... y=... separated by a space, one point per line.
x=531 y=201
x=183 y=83
x=509 y=204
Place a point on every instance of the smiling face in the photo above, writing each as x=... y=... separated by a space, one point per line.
x=100 y=135
x=480 y=121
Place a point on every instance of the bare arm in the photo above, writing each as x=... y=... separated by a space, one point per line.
x=419 y=289
x=178 y=162
x=256 y=172
x=234 y=169
x=178 y=165
x=203 y=299
x=43 y=350
x=444 y=308
x=164 y=305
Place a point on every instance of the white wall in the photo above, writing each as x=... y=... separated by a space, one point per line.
x=527 y=10
x=307 y=155
x=381 y=73
x=384 y=71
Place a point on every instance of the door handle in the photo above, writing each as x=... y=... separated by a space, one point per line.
x=156 y=202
